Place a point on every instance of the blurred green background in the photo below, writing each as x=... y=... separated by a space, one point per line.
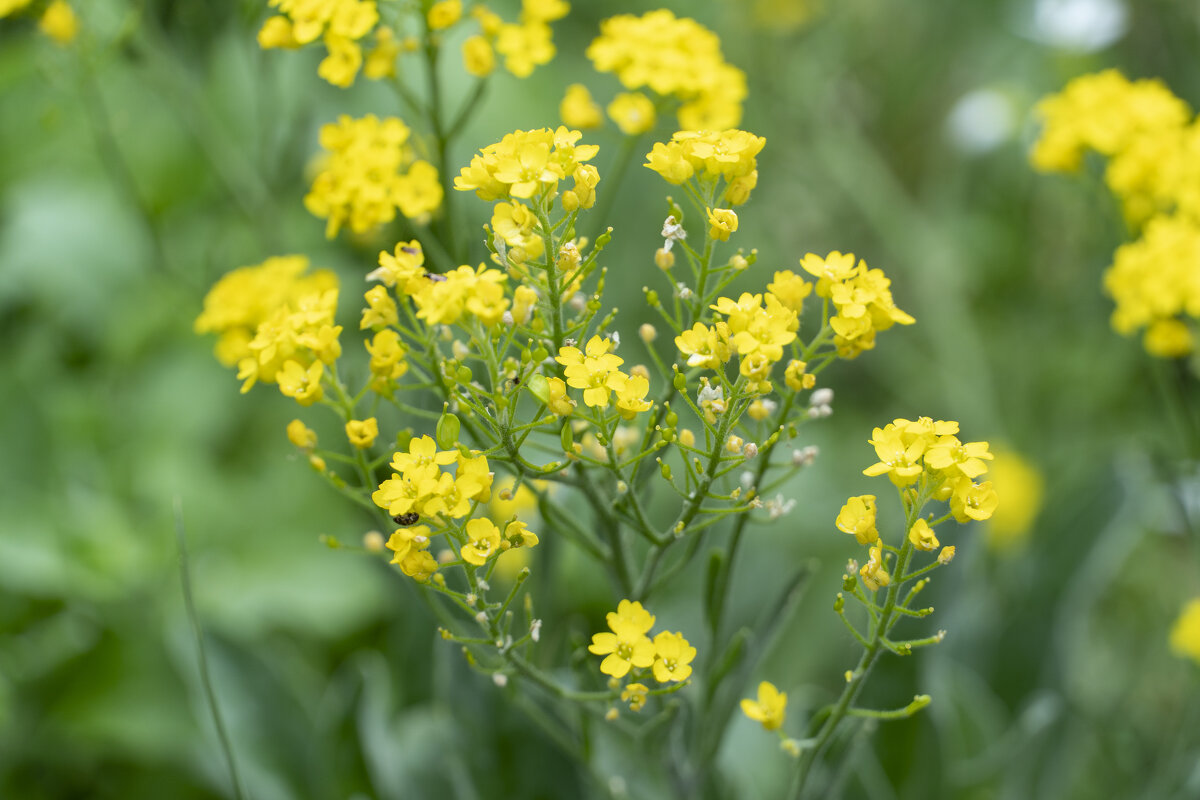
x=164 y=148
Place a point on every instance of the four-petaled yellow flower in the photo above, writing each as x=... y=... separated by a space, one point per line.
x=594 y=370
x=626 y=644
x=672 y=657
x=770 y=707
x=483 y=541
x=721 y=223
x=857 y=518
x=923 y=537
x=362 y=433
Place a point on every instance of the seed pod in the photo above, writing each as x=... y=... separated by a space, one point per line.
x=447 y=430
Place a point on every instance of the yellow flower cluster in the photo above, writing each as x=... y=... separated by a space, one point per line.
x=525 y=45
x=627 y=646
x=292 y=347
x=675 y=57
x=59 y=22
x=341 y=24
x=1152 y=143
x=927 y=455
x=729 y=155
x=369 y=173
x=862 y=297
x=8 y=7
x=420 y=489
x=442 y=299
x=596 y=371
x=246 y=297
x=525 y=163
x=419 y=486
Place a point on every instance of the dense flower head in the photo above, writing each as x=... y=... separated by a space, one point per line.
x=368 y=174
x=524 y=163
x=758 y=324
x=1102 y=112
x=769 y=709
x=419 y=485
x=276 y=324
x=929 y=455
x=340 y=23
x=862 y=297
x=708 y=155
x=245 y=297
x=1152 y=143
x=672 y=56
x=477 y=291
x=1155 y=283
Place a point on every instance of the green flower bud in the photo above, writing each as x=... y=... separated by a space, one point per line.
x=447 y=430
x=539 y=387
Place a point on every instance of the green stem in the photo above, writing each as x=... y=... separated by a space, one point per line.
x=201 y=656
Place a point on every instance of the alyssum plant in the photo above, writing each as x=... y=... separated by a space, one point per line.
x=497 y=400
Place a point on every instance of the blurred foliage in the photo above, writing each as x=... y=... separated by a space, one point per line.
x=165 y=149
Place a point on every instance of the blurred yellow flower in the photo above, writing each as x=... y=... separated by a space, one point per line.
x=59 y=22
x=1021 y=485
x=769 y=709
x=1185 y=633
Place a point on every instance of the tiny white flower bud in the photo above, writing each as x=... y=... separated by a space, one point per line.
x=750 y=450
x=481 y=617
x=821 y=397
x=472 y=599
x=483 y=585
x=500 y=679
x=535 y=630
x=507 y=319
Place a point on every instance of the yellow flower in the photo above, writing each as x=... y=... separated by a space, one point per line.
x=769 y=709
x=578 y=110
x=721 y=223
x=301 y=435
x=635 y=695
x=479 y=59
x=631 y=396
x=627 y=645
x=955 y=458
x=595 y=371
x=380 y=311
x=483 y=541
x=525 y=47
x=923 y=537
x=381 y=60
x=59 y=22
x=1185 y=633
x=301 y=384
x=672 y=657
x=790 y=289
x=559 y=403
x=857 y=518
x=873 y=573
x=973 y=500
x=796 y=378
x=633 y=112
x=362 y=433
x=443 y=14
x=387 y=360
x=517 y=534
x=899 y=455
